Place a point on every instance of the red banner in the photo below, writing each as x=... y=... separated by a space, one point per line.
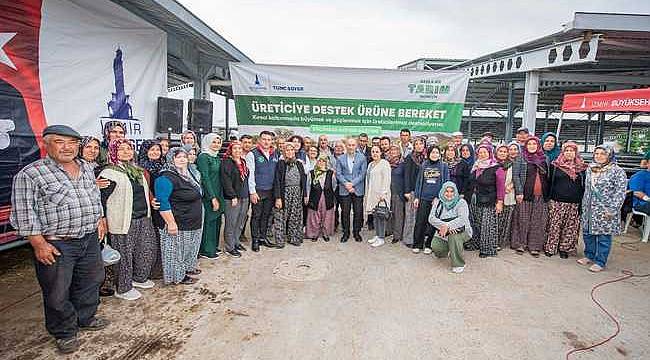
x=608 y=101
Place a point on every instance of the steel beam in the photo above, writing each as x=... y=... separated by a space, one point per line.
x=594 y=78
x=511 y=114
x=572 y=52
x=531 y=93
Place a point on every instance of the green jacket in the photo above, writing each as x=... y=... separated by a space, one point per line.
x=209 y=167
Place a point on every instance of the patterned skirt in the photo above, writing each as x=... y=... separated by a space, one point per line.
x=287 y=222
x=179 y=253
x=563 y=227
x=485 y=235
x=504 y=224
x=529 y=225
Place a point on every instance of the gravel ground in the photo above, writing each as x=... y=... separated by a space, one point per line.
x=350 y=301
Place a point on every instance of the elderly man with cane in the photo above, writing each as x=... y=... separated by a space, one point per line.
x=56 y=205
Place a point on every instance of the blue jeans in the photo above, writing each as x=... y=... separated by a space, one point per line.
x=597 y=248
x=71 y=285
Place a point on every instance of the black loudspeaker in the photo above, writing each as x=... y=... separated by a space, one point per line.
x=170 y=115
x=199 y=116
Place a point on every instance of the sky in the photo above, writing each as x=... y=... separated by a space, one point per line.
x=385 y=34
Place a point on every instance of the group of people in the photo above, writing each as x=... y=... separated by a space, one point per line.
x=162 y=207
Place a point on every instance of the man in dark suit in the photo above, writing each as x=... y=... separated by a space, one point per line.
x=351 y=174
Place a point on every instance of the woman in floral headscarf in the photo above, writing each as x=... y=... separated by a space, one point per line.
x=566 y=187
x=605 y=185
x=504 y=218
x=112 y=130
x=128 y=213
x=530 y=174
x=180 y=207
x=320 y=200
x=486 y=189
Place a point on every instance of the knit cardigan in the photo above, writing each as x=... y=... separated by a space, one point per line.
x=119 y=205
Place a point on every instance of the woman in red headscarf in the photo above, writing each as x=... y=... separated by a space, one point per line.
x=566 y=187
x=530 y=174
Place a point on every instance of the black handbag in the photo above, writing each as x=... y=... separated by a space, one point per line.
x=381 y=210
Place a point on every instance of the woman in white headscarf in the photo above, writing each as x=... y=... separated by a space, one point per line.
x=209 y=165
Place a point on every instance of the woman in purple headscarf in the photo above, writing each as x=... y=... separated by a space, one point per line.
x=530 y=173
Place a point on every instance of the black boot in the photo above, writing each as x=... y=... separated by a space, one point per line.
x=255 y=245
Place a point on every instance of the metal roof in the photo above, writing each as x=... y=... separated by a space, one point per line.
x=592 y=52
x=194 y=49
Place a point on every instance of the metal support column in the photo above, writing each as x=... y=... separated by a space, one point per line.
x=587 y=132
x=511 y=112
x=531 y=93
x=628 y=142
x=199 y=88
x=469 y=126
x=601 y=122
x=227 y=97
x=546 y=121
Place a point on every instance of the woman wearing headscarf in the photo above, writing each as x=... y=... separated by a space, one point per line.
x=112 y=130
x=551 y=147
x=433 y=173
x=450 y=156
x=179 y=194
x=150 y=158
x=209 y=166
x=128 y=215
x=191 y=159
x=464 y=170
x=505 y=156
x=450 y=217
x=487 y=190
x=530 y=174
x=288 y=189
x=397 y=199
x=234 y=180
x=605 y=186
x=188 y=137
x=412 y=165
x=321 y=200
x=566 y=188
x=377 y=190
x=89 y=148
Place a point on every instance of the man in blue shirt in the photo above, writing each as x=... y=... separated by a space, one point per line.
x=640 y=186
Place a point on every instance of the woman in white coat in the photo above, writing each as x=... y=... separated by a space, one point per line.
x=377 y=191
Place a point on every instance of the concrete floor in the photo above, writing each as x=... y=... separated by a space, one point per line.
x=349 y=301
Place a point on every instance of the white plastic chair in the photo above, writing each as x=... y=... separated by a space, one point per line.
x=645 y=228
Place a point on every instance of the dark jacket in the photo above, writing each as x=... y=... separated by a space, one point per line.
x=411 y=170
x=280 y=174
x=484 y=186
x=563 y=189
x=463 y=178
x=185 y=200
x=231 y=180
x=397 y=180
x=315 y=191
x=531 y=173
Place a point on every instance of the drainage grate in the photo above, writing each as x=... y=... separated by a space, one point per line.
x=302 y=269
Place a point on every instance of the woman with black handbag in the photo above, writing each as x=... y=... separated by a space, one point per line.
x=377 y=197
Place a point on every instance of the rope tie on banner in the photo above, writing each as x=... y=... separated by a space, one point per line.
x=626 y=275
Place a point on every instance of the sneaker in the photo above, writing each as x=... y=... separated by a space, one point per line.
x=130 y=295
x=372 y=240
x=416 y=250
x=216 y=256
x=143 y=285
x=240 y=247
x=234 y=253
x=105 y=292
x=458 y=269
x=427 y=251
x=379 y=242
x=95 y=324
x=596 y=268
x=67 y=346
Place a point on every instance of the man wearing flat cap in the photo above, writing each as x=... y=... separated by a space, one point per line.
x=56 y=205
x=522 y=135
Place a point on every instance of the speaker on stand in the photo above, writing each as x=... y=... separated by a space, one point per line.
x=199 y=116
x=170 y=116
